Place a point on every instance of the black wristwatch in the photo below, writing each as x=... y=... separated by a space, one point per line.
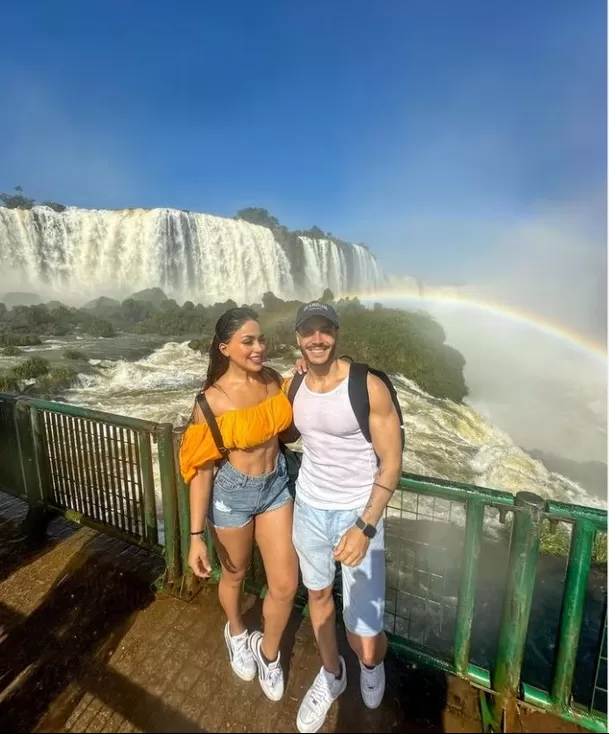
x=368 y=530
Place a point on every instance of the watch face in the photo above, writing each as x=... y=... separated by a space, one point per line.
x=368 y=530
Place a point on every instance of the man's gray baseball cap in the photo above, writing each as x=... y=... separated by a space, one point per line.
x=316 y=308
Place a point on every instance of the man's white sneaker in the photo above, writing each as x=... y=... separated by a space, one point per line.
x=372 y=684
x=321 y=695
x=270 y=675
x=241 y=659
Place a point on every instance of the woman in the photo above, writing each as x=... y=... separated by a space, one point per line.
x=242 y=402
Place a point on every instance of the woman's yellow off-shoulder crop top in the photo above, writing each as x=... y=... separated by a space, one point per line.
x=243 y=428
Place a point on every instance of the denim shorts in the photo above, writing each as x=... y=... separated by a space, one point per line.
x=236 y=498
x=315 y=534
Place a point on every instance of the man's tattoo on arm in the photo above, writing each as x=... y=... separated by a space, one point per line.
x=379 y=473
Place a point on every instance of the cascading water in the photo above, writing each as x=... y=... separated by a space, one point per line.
x=324 y=256
x=328 y=265
x=189 y=255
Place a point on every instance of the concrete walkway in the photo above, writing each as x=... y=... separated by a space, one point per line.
x=86 y=646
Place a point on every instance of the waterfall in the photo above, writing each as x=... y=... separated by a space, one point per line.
x=80 y=252
x=341 y=269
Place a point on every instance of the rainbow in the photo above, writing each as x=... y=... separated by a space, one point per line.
x=501 y=310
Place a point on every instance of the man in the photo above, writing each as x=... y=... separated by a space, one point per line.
x=341 y=493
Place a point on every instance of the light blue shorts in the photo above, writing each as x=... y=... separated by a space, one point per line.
x=315 y=534
x=236 y=498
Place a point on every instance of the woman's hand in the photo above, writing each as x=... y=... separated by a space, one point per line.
x=198 y=557
x=301 y=366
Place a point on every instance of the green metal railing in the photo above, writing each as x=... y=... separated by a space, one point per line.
x=96 y=468
x=464 y=568
x=427 y=561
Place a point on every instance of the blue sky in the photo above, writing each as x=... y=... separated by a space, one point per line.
x=430 y=130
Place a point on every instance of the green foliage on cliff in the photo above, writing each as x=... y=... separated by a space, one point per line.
x=18 y=200
x=17 y=339
x=57 y=379
x=35 y=376
x=31 y=368
x=558 y=542
x=260 y=216
x=73 y=354
x=11 y=351
x=257 y=215
x=408 y=342
x=23 y=325
x=290 y=240
x=8 y=383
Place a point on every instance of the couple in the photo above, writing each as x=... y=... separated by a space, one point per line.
x=344 y=483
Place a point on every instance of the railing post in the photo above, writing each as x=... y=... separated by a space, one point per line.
x=184 y=518
x=574 y=599
x=35 y=470
x=467 y=588
x=168 y=492
x=190 y=583
x=151 y=529
x=522 y=567
x=27 y=452
x=42 y=460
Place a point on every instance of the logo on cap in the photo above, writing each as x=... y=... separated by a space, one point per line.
x=316 y=305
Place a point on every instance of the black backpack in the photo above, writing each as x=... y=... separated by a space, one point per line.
x=358 y=395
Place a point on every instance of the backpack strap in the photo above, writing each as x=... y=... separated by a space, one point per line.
x=358 y=396
x=394 y=399
x=294 y=386
x=213 y=424
x=360 y=400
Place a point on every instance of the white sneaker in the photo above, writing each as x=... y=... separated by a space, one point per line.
x=372 y=684
x=270 y=675
x=321 y=695
x=241 y=659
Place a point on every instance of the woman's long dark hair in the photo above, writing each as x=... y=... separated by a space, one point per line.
x=227 y=325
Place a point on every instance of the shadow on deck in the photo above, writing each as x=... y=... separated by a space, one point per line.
x=85 y=645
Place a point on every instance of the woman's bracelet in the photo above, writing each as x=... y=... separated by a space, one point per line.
x=198 y=532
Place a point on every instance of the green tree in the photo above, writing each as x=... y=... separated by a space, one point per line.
x=16 y=200
x=258 y=215
x=271 y=303
x=31 y=368
x=315 y=233
x=327 y=296
x=134 y=311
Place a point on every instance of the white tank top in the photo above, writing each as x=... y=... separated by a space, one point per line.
x=338 y=464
